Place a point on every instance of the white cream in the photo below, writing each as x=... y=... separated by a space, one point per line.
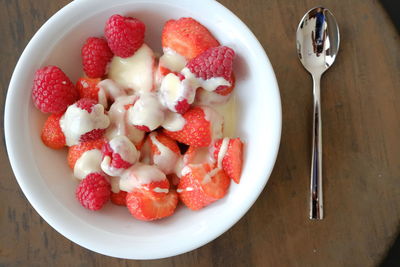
x=216 y=121
x=213 y=99
x=222 y=151
x=228 y=111
x=161 y=190
x=145 y=152
x=76 y=122
x=119 y=122
x=139 y=175
x=172 y=60
x=209 y=85
x=185 y=170
x=179 y=166
x=88 y=162
x=207 y=178
x=135 y=72
x=173 y=121
x=108 y=89
x=188 y=189
x=201 y=155
x=122 y=146
x=147 y=111
x=115 y=184
x=167 y=159
x=173 y=90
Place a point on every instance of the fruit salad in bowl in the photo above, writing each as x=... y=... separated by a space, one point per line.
x=144 y=130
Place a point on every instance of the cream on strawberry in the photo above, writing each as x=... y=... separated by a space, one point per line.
x=140 y=176
x=88 y=162
x=173 y=121
x=147 y=113
x=165 y=152
x=216 y=121
x=118 y=155
x=176 y=94
x=210 y=84
x=119 y=120
x=171 y=60
x=83 y=121
x=135 y=72
x=108 y=89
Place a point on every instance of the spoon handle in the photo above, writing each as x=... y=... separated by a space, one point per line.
x=316 y=204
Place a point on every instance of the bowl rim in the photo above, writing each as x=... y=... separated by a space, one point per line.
x=40 y=205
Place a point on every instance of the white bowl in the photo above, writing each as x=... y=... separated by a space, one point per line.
x=47 y=181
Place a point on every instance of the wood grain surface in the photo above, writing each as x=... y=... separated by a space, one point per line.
x=361 y=129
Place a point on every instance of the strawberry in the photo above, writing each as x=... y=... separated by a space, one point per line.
x=76 y=151
x=95 y=56
x=233 y=158
x=118 y=198
x=196 y=131
x=93 y=191
x=52 y=135
x=144 y=207
x=124 y=35
x=164 y=152
x=52 y=90
x=201 y=185
x=87 y=88
x=187 y=37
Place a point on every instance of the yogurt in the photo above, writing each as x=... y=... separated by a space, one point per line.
x=88 y=162
x=139 y=175
x=76 y=122
x=166 y=159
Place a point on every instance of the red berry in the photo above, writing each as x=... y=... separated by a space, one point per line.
x=119 y=198
x=95 y=56
x=182 y=106
x=115 y=158
x=93 y=191
x=187 y=37
x=143 y=128
x=92 y=135
x=214 y=62
x=76 y=151
x=233 y=158
x=124 y=35
x=196 y=131
x=52 y=90
x=52 y=135
x=87 y=88
x=202 y=185
x=144 y=206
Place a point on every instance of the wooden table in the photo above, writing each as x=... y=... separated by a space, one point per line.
x=361 y=123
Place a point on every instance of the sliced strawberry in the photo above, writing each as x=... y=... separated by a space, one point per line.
x=187 y=37
x=52 y=135
x=233 y=158
x=198 y=155
x=201 y=185
x=144 y=207
x=119 y=198
x=157 y=189
x=166 y=141
x=76 y=151
x=87 y=88
x=197 y=130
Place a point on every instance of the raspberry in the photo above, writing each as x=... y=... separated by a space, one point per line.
x=182 y=106
x=214 y=62
x=116 y=159
x=124 y=35
x=92 y=135
x=93 y=191
x=52 y=90
x=86 y=104
x=95 y=56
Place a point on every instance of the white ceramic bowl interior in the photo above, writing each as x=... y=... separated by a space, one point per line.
x=45 y=178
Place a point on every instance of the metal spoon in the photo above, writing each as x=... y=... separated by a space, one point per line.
x=317 y=46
